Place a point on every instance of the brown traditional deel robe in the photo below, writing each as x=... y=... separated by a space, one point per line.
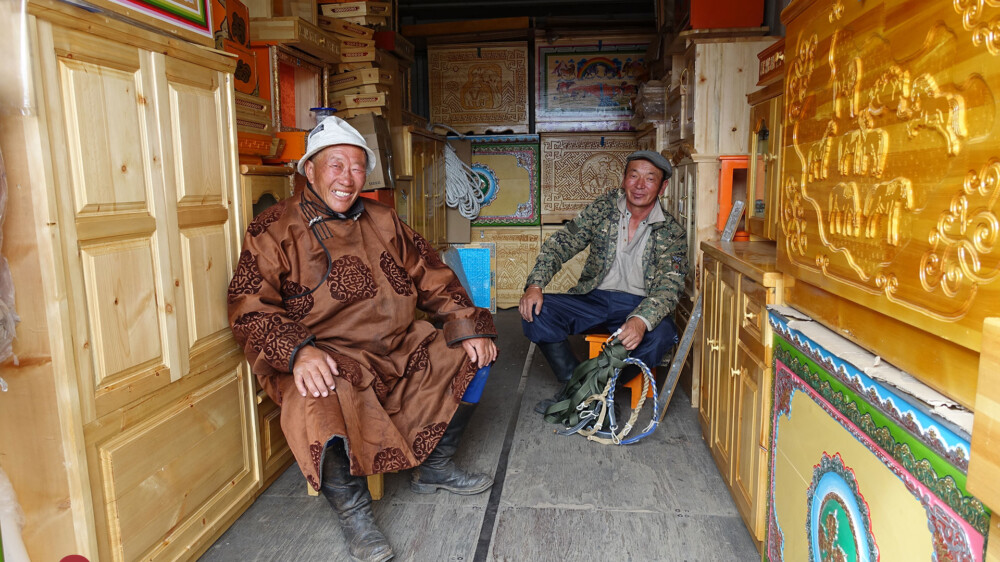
x=400 y=379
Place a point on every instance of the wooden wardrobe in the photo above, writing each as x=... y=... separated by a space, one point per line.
x=130 y=429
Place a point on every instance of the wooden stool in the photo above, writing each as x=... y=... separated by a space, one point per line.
x=634 y=386
x=375 y=487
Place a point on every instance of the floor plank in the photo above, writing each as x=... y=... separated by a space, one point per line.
x=562 y=497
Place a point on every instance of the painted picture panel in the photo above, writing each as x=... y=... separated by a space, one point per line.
x=588 y=84
x=509 y=169
x=578 y=168
x=860 y=469
x=479 y=88
x=188 y=19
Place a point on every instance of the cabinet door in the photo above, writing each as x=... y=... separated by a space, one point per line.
x=709 y=349
x=762 y=149
x=748 y=457
x=773 y=187
x=143 y=175
x=725 y=383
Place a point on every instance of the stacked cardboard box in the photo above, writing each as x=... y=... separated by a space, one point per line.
x=361 y=13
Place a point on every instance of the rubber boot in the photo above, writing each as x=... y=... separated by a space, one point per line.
x=349 y=497
x=439 y=472
x=563 y=362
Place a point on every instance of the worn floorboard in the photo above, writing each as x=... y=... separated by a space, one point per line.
x=562 y=498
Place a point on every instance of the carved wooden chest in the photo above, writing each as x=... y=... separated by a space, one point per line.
x=517 y=248
x=890 y=193
x=579 y=167
x=479 y=88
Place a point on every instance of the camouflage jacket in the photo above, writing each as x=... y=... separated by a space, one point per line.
x=664 y=258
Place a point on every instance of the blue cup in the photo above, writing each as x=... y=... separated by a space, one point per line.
x=475 y=389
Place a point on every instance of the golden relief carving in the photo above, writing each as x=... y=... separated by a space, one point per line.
x=877 y=194
x=983 y=32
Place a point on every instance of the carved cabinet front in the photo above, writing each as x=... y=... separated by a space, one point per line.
x=891 y=173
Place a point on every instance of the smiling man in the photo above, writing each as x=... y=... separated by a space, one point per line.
x=323 y=302
x=632 y=278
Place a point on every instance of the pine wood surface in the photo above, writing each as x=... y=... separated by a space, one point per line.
x=984 y=459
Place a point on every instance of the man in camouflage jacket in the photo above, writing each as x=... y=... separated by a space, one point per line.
x=632 y=279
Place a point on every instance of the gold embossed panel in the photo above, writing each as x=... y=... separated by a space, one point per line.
x=480 y=88
x=578 y=168
x=569 y=275
x=517 y=249
x=891 y=171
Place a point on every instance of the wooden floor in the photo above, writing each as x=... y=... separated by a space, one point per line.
x=555 y=498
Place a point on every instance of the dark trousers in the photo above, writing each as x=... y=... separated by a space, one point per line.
x=563 y=315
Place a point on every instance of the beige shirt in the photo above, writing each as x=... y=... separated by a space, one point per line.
x=626 y=274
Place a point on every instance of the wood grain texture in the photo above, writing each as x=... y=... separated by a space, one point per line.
x=984 y=459
x=578 y=168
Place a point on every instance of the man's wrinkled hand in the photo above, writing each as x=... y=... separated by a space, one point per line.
x=313 y=371
x=481 y=351
x=633 y=330
x=531 y=303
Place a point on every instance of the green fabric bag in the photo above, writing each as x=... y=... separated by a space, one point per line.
x=588 y=384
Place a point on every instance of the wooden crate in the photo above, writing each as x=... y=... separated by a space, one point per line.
x=568 y=276
x=579 y=167
x=517 y=249
x=297 y=33
x=345 y=28
x=356 y=9
x=479 y=88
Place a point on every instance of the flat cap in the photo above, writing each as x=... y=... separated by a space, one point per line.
x=654 y=158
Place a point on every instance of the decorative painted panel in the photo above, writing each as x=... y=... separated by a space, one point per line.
x=578 y=168
x=862 y=466
x=588 y=83
x=509 y=169
x=516 y=251
x=891 y=181
x=188 y=19
x=569 y=275
x=479 y=88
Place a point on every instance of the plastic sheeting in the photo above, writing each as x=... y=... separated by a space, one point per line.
x=15 y=102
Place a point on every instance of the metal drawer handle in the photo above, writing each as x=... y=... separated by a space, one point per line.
x=714 y=345
x=734 y=372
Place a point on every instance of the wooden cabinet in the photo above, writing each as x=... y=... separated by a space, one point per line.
x=420 y=198
x=740 y=280
x=763 y=175
x=126 y=237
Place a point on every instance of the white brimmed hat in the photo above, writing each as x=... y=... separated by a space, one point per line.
x=332 y=131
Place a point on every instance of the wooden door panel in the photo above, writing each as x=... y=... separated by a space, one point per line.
x=161 y=476
x=722 y=433
x=104 y=125
x=198 y=115
x=710 y=351
x=120 y=286
x=747 y=457
x=205 y=259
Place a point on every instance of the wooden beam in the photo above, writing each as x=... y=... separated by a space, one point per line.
x=471 y=26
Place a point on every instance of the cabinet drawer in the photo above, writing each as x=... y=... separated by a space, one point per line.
x=752 y=315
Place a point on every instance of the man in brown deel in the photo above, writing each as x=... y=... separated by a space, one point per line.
x=323 y=302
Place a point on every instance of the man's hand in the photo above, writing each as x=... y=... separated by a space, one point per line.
x=633 y=330
x=313 y=371
x=481 y=351
x=531 y=303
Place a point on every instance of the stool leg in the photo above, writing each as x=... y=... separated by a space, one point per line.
x=376 y=486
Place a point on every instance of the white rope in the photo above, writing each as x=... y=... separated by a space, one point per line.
x=463 y=188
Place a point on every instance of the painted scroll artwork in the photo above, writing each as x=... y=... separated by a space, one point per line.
x=191 y=16
x=858 y=472
x=588 y=84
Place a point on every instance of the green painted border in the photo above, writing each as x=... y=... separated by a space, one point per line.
x=944 y=479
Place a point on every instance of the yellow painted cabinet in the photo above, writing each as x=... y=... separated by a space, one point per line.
x=739 y=282
x=130 y=234
x=420 y=200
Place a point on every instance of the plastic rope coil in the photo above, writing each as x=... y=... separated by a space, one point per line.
x=463 y=187
x=590 y=419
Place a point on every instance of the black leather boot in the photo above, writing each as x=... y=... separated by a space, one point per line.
x=349 y=497
x=561 y=358
x=439 y=472
x=563 y=362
